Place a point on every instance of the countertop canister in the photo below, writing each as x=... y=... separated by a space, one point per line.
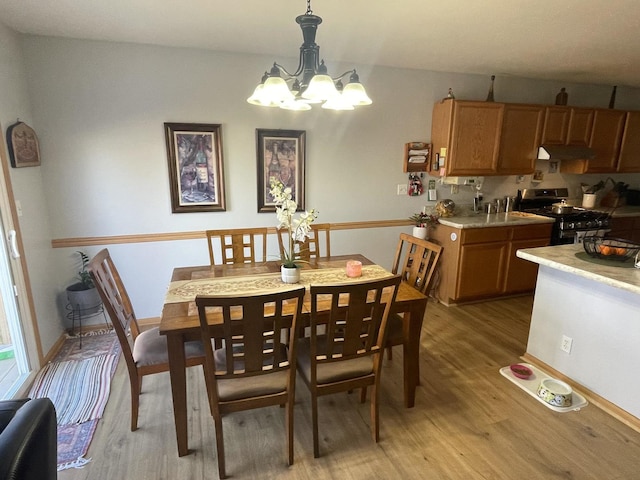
x=508 y=203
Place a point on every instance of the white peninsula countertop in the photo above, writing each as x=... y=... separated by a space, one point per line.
x=573 y=259
x=482 y=220
x=593 y=304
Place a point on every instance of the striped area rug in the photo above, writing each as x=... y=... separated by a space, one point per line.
x=79 y=389
x=78 y=382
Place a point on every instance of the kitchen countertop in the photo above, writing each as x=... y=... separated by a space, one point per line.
x=482 y=220
x=626 y=211
x=573 y=259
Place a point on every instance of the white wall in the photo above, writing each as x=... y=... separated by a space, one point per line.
x=28 y=182
x=99 y=109
x=602 y=322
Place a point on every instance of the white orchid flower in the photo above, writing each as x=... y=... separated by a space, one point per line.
x=299 y=228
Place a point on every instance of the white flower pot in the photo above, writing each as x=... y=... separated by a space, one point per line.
x=420 y=232
x=290 y=275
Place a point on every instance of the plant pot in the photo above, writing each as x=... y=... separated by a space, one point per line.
x=420 y=232
x=83 y=299
x=290 y=274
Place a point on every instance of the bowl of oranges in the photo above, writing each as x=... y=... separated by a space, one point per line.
x=610 y=248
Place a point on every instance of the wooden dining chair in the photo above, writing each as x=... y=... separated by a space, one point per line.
x=239 y=245
x=311 y=247
x=145 y=352
x=347 y=333
x=416 y=261
x=253 y=369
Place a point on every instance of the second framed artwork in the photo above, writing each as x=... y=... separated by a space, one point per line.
x=281 y=154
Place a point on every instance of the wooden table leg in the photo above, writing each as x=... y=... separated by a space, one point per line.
x=177 y=372
x=412 y=327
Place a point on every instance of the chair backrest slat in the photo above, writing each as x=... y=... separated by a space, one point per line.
x=116 y=300
x=311 y=247
x=416 y=260
x=355 y=324
x=240 y=245
x=251 y=330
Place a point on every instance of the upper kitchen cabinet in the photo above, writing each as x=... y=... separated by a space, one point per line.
x=520 y=138
x=608 y=126
x=629 y=161
x=567 y=126
x=470 y=133
x=556 y=123
x=580 y=125
x=604 y=139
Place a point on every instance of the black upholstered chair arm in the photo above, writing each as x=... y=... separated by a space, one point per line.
x=28 y=443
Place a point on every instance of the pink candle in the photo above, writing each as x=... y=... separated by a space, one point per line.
x=354 y=268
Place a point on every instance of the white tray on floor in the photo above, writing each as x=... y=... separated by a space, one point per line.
x=531 y=385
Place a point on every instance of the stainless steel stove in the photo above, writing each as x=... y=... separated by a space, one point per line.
x=568 y=227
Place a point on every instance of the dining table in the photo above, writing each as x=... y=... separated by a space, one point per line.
x=180 y=323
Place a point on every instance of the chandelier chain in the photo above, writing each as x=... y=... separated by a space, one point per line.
x=309 y=11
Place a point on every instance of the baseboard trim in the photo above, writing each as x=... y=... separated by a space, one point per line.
x=593 y=398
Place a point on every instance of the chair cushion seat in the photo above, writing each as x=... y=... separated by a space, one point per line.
x=250 y=386
x=331 y=371
x=245 y=387
x=150 y=348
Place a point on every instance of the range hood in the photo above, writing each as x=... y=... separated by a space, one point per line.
x=565 y=152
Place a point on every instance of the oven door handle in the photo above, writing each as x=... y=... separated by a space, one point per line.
x=569 y=234
x=583 y=233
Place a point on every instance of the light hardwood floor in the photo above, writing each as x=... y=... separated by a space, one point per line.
x=469 y=422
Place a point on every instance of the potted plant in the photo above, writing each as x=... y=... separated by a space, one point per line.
x=83 y=296
x=298 y=228
x=422 y=222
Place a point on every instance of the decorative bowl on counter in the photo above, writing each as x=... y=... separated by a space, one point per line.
x=445 y=208
x=609 y=248
x=555 y=392
x=521 y=371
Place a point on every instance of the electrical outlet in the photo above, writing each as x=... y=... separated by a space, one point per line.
x=402 y=189
x=566 y=343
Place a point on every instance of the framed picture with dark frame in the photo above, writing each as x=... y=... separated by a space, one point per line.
x=196 y=172
x=281 y=154
x=23 y=146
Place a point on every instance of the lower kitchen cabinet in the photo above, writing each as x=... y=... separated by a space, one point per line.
x=481 y=263
x=626 y=228
x=483 y=255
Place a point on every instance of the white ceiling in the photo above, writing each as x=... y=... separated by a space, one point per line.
x=584 y=41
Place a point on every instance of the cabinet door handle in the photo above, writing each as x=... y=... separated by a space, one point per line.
x=13 y=244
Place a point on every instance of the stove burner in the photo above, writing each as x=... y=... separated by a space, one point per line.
x=567 y=225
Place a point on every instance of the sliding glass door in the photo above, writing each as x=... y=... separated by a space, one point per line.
x=14 y=366
x=19 y=355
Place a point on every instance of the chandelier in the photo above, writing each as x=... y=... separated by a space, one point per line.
x=310 y=83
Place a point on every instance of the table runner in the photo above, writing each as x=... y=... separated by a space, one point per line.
x=187 y=290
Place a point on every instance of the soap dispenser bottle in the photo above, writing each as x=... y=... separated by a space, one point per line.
x=477 y=202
